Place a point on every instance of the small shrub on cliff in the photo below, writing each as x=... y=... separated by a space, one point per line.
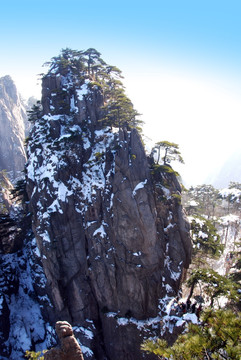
x=159 y=169
x=98 y=156
x=177 y=197
x=32 y=355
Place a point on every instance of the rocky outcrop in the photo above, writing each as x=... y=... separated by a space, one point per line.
x=5 y=193
x=12 y=130
x=111 y=233
x=69 y=347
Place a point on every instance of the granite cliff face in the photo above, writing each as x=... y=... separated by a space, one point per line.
x=12 y=128
x=111 y=234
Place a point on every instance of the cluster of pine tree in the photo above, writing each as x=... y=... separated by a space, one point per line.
x=80 y=65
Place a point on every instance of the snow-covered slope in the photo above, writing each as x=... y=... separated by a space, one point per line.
x=21 y=279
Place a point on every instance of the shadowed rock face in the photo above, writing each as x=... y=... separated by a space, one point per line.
x=12 y=118
x=111 y=233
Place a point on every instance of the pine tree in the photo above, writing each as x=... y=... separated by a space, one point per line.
x=235 y=275
x=35 y=113
x=171 y=152
x=207 y=199
x=206 y=240
x=118 y=110
x=213 y=285
x=218 y=336
x=93 y=60
x=232 y=197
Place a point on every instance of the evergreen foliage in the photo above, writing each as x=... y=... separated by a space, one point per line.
x=232 y=196
x=205 y=237
x=236 y=276
x=78 y=66
x=119 y=111
x=171 y=152
x=167 y=169
x=6 y=226
x=159 y=172
x=218 y=336
x=206 y=199
x=32 y=355
x=19 y=191
x=234 y=185
x=213 y=285
x=35 y=113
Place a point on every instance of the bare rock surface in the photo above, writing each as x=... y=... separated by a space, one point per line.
x=12 y=128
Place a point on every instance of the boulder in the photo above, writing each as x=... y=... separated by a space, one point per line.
x=69 y=347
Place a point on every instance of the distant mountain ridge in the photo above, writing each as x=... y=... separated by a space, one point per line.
x=13 y=117
x=230 y=171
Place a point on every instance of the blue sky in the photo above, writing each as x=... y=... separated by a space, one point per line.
x=181 y=62
x=203 y=32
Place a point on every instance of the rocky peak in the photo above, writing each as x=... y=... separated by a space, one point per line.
x=12 y=118
x=111 y=233
x=8 y=89
x=69 y=347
